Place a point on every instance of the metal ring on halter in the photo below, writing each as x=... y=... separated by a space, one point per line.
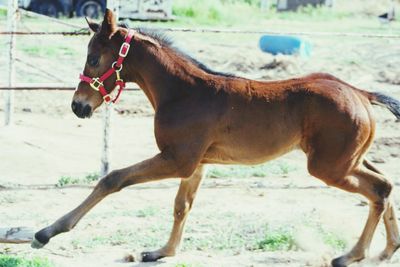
x=120 y=67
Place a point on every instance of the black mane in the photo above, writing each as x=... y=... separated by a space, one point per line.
x=165 y=40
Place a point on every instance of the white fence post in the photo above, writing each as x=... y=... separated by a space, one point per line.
x=107 y=113
x=9 y=94
x=105 y=155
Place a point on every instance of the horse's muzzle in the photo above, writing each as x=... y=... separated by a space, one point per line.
x=81 y=110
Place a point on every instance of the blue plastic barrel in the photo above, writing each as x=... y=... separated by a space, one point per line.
x=285 y=44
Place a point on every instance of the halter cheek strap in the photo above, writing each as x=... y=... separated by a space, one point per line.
x=97 y=82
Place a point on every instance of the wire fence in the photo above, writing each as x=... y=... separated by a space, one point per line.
x=85 y=31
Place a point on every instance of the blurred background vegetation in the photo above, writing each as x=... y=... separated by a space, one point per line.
x=249 y=14
x=238 y=12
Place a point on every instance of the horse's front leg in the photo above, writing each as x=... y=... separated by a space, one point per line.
x=183 y=204
x=163 y=165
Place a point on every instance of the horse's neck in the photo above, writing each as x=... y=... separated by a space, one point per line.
x=161 y=78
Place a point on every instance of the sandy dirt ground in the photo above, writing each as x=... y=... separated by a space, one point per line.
x=48 y=142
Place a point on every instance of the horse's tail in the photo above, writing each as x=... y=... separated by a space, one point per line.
x=386 y=101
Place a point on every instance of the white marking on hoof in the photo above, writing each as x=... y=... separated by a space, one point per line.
x=36 y=244
x=139 y=257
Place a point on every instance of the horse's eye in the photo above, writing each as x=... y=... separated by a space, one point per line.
x=93 y=60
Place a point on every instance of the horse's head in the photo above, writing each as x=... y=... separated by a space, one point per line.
x=103 y=51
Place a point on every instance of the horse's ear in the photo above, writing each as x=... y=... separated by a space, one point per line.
x=93 y=26
x=109 y=25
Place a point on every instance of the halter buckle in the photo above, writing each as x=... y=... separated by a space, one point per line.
x=107 y=98
x=96 y=83
x=123 y=51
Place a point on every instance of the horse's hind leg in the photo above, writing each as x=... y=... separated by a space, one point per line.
x=390 y=220
x=392 y=232
x=183 y=204
x=355 y=178
x=376 y=188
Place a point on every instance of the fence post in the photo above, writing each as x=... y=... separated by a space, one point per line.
x=9 y=94
x=107 y=113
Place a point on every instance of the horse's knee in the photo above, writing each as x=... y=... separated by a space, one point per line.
x=382 y=192
x=111 y=182
x=182 y=208
x=377 y=185
x=383 y=188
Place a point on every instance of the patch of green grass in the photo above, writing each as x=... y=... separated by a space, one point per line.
x=329 y=238
x=69 y=180
x=234 y=12
x=280 y=168
x=229 y=231
x=91 y=177
x=333 y=240
x=32 y=50
x=211 y=12
x=3 y=13
x=15 y=261
x=310 y=13
x=278 y=239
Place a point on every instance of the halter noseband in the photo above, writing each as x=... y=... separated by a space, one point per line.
x=97 y=82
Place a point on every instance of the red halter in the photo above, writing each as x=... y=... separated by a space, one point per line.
x=97 y=82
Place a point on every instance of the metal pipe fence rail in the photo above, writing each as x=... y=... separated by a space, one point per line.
x=53 y=87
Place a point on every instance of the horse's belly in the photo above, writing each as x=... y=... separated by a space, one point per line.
x=255 y=131
x=250 y=150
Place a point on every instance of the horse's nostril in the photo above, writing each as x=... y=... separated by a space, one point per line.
x=77 y=107
x=86 y=110
x=81 y=110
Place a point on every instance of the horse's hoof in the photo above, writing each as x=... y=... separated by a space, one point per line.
x=36 y=244
x=338 y=262
x=388 y=252
x=40 y=239
x=150 y=256
x=384 y=256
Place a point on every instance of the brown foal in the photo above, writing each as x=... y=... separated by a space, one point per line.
x=204 y=117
